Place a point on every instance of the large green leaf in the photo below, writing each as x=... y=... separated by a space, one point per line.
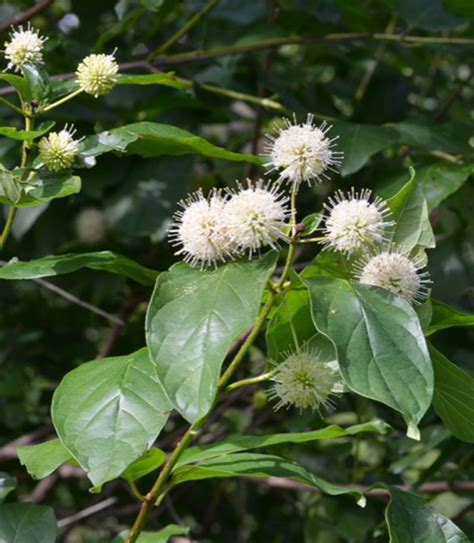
x=156 y=537
x=42 y=459
x=108 y=412
x=19 y=83
x=445 y=316
x=359 y=142
x=410 y=213
x=193 y=318
x=49 y=186
x=380 y=345
x=411 y=520
x=260 y=466
x=240 y=443
x=22 y=523
x=50 y=266
x=7 y=484
x=153 y=139
x=453 y=396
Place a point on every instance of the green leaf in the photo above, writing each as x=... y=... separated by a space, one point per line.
x=49 y=186
x=29 y=135
x=260 y=466
x=108 y=412
x=428 y=15
x=411 y=520
x=445 y=316
x=38 y=80
x=20 y=83
x=153 y=139
x=22 y=523
x=193 y=318
x=311 y=223
x=155 y=537
x=240 y=443
x=166 y=79
x=10 y=188
x=410 y=213
x=453 y=397
x=7 y=484
x=147 y=463
x=50 y=266
x=380 y=345
x=359 y=142
x=42 y=459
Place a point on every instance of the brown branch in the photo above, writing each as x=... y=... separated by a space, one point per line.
x=96 y=508
x=8 y=451
x=26 y=16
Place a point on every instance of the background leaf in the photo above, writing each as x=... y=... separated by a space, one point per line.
x=7 y=485
x=24 y=523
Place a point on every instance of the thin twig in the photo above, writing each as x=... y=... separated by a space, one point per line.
x=26 y=16
x=77 y=517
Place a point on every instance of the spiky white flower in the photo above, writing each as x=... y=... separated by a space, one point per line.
x=353 y=223
x=302 y=152
x=303 y=380
x=199 y=229
x=90 y=225
x=24 y=46
x=59 y=149
x=395 y=271
x=255 y=217
x=97 y=74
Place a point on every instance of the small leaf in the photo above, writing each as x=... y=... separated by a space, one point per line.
x=7 y=484
x=38 y=80
x=453 y=396
x=50 y=266
x=42 y=459
x=260 y=466
x=24 y=523
x=147 y=463
x=108 y=412
x=162 y=536
x=240 y=443
x=445 y=316
x=410 y=213
x=380 y=346
x=166 y=79
x=193 y=318
x=20 y=83
x=10 y=188
x=28 y=135
x=311 y=223
x=49 y=186
x=411 y=520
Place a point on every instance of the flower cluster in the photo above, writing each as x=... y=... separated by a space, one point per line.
x=24 y=46
x=224 y=225
x=59 y=149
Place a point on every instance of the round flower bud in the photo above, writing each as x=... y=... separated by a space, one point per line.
x=354 y=224
x=396 y=272
x=255 y=217
x=59 y=149
x=304 y=381
x=199 y=231
x=302 y=152
x=90 y=225
x=24 y=46
x=97 y=74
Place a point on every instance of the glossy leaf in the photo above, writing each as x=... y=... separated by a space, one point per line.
x=147 y=463
x=156 y=537
x=19 y=83
x=445 y=316
x=42 y=459
x=50 y=266
x=240 y=443
x=38 y=80
x=380 y=345
x=153 y=139
x=193 y=318
x=453 y=396
x=108 y=412
x=359 y=142
x=49 y=187
x=7 y=484
x=411 y=520
x=260 y=466
x=25 y=523
x=410 y=212
x=28 y=135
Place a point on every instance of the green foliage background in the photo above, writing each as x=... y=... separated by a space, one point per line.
x=393 y=103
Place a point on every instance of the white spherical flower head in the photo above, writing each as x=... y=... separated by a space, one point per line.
x=303 y=152
x=353 y=223
x=59 y=149
x=199 y=231
x=304 y=381
x=396 y=272
x=24 y=46
x=255 y=217
x=91 y=225
x=97 y=74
